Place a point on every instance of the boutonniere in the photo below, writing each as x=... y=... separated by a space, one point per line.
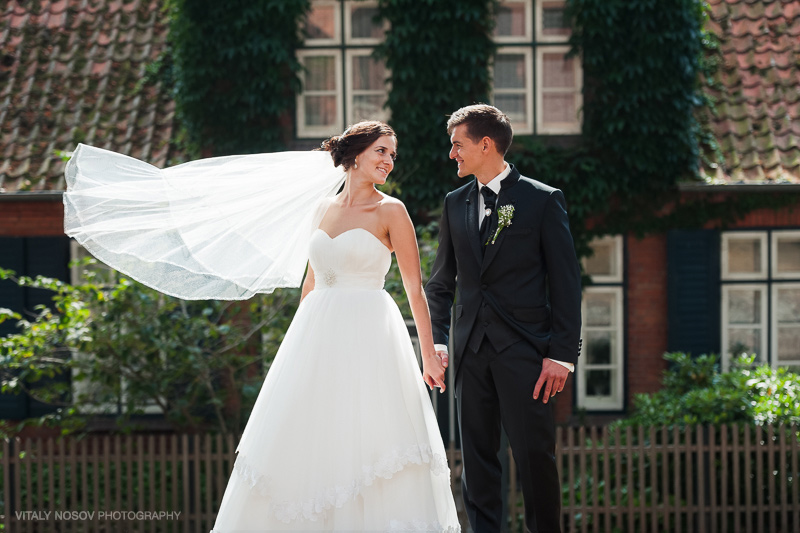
x=504 y=216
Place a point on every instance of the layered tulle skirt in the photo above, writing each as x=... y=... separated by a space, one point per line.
x=343 y=436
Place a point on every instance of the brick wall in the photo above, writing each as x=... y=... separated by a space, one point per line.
x=646 y=332
x=31 y=218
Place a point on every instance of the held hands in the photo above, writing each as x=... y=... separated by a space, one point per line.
x=433 y=367
x=552 y=378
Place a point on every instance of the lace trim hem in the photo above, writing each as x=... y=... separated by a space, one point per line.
x=336 y=496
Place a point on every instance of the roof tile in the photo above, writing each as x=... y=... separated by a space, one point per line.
x=69 y=73
x=756 y=91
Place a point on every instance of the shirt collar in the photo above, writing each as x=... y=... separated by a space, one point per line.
x=495 y=183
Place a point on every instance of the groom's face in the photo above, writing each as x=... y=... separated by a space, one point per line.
x=465 y=151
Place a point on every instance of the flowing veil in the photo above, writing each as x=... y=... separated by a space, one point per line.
x=218 y=228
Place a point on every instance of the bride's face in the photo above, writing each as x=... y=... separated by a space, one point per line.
x=377 y=161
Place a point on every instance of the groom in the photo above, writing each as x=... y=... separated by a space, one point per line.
x=506 y=253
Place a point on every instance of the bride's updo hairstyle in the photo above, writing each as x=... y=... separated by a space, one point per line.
x=346 y=147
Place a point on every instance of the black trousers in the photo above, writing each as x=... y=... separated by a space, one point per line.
x=492 y=388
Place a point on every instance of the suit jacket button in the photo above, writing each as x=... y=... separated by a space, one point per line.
x=484 y=286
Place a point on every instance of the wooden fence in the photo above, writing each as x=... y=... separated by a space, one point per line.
x=729 y=479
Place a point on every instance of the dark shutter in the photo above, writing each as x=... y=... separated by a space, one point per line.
x=29 y=256
x=12 y=256
x=693 y=258
x=12 y=296
x=49 y=257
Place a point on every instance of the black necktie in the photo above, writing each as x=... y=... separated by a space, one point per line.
x=489 y=201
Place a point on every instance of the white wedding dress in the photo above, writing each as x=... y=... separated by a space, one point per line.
x=343 y=436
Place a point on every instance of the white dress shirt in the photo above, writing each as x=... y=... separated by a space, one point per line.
x=494 y=185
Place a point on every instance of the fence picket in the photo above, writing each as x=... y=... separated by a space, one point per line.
x=729 y=478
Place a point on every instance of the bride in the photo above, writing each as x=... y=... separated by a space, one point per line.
x=342 y=436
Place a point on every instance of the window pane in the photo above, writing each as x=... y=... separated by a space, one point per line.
x=559 y=108
x=788 y=255
x=598 y=347
x=509 y=71
x=558 y=72
x=364 y=25
x=320 y=73
x=744 y=341
x=600 y=309
x=598 y=382
x=320 y=110
x=513 y=105
x=510 y=20
x=369 y=107
x=321 y=22
x=788 y=306
x=789 y=343
x=554 y=21
x=744 y=256
x=604 y=261
x=744 y=306
x=368 y=74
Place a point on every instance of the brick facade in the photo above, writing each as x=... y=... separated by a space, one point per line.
x=32 y=218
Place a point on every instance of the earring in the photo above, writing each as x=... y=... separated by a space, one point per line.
x=356 y=164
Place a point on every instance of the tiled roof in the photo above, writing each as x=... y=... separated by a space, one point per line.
x=68 y=74
x=756 y=91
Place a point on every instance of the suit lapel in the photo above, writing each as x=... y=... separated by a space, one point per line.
x=507 y=197
x=471 y=222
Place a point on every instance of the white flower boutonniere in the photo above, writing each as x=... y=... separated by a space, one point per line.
x=504 y=216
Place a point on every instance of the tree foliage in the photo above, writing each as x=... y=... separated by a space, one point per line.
x=235 y=72
x=114 y=349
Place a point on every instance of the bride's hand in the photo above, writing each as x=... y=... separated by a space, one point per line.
x=433 y=372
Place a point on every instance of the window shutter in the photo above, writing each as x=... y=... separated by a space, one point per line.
x=693 y=291
x=49 y=257
x=12 y=256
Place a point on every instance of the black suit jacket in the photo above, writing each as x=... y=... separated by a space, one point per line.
x=525 y=286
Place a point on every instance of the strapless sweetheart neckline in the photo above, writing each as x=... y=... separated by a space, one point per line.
x=352 y=230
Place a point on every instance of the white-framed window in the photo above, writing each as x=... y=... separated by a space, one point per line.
x=541 y=90
x=744 y=319
x=512 y=73
x=341 y=81
x=760 y=273
x=600 y=384
x=744 y=255
x=102 y=275
x=786 y=324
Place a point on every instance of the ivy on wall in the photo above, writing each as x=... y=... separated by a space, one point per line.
x=438 y=53
x=235 y=72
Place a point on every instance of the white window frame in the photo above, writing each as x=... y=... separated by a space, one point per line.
x=776 y=236
x=340 y=49
x=348 y=23
x=775 y=363
x=320 y=131
x=616 y=243
x=350 y=91
x=540 y=36
x=528 y=35
x=566 y=128
x=724 y=319
x=337 y=26
x=526 y=127
x=615 y=401
x=725 y=272
x=78 y=253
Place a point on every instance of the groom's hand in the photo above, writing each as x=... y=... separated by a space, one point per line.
x=552 y=378
x=433 y=372
x=442 y=354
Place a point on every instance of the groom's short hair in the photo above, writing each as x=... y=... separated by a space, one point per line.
x=484 y=120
